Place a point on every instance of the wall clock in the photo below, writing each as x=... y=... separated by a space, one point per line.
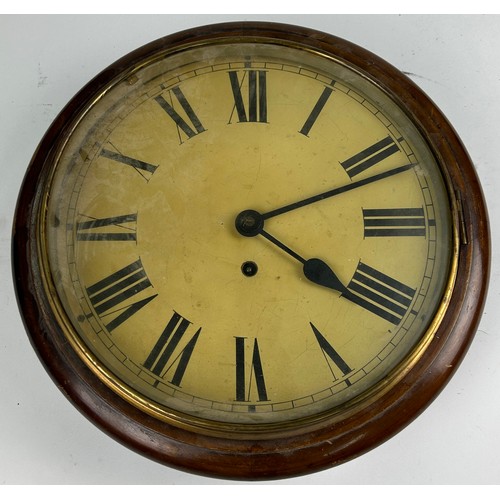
x=251 y=250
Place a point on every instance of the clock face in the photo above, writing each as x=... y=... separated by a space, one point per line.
x=246 y=236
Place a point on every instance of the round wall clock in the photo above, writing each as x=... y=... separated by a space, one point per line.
x=251 y=250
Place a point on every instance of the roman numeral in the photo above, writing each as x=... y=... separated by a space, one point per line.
x=244 y=386
x=119 y=228
x=320 y=104
x=370 y=156
x=190 y=130
x=394 y=222
x=330 y=353
x=145 y=170
x=111 y=295
x=257 y=96
x=163 y=351
x=379 y=293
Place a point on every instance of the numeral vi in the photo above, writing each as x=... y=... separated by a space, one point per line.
x=244 y=381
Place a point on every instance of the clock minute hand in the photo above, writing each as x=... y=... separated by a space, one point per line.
x=336 y=191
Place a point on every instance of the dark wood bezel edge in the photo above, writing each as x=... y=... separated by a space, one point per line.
x=315 y=450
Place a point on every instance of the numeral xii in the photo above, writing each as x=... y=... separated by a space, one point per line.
x=255 y=109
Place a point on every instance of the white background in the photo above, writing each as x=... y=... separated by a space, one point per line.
x=45 y=60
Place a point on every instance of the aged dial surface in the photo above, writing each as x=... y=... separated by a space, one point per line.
x=246 y=234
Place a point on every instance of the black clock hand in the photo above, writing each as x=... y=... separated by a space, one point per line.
x=337 y=191
x=319 y=272
x=315 y=270
x=250 y=223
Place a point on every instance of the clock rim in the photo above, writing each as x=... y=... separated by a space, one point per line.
x=326 y=445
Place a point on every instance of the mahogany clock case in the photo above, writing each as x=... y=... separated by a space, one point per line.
x=317 y=448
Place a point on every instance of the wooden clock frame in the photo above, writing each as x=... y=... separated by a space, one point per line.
x=329 y=444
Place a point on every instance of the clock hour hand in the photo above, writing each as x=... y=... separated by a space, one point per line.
x=251 y=223
x=319 y=272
